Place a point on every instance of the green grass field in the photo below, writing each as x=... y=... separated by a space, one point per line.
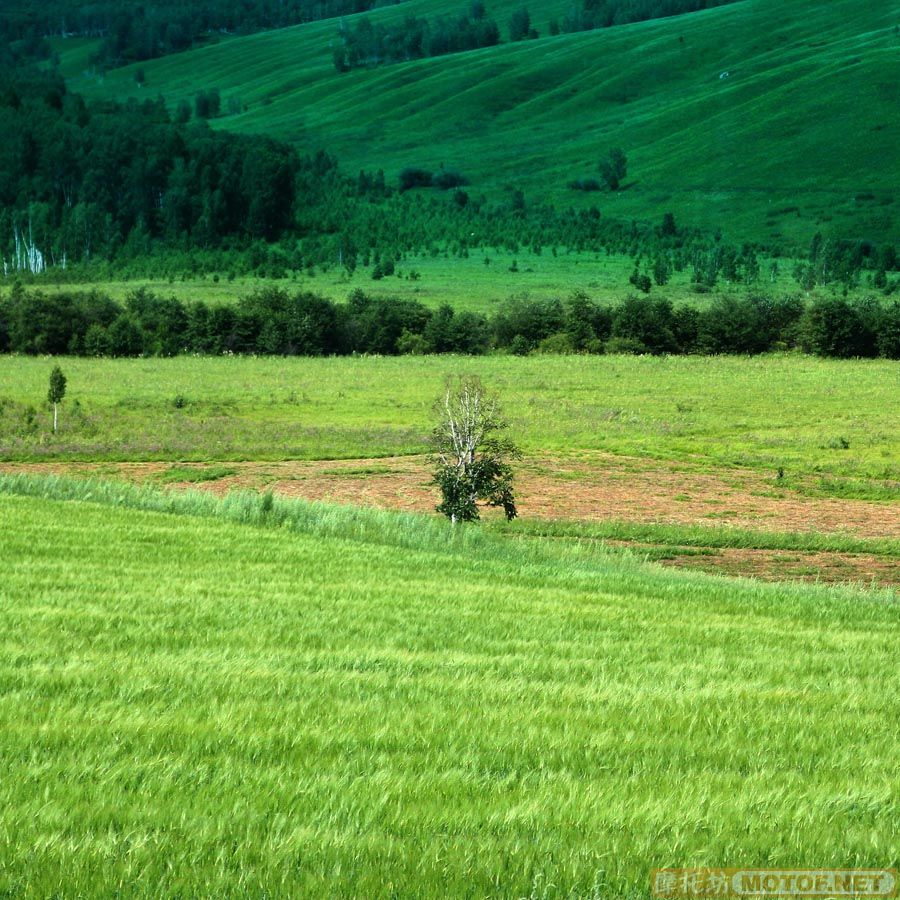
x=801 y=136
x=208 y=689
x=466 y=284
x=342 y=703
x=767 y=412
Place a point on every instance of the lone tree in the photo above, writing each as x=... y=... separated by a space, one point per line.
x=57 y=392
x=471 y=453
x=614 y=168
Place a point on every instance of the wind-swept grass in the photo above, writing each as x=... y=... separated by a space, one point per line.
x=396 y=529
x=352 y=705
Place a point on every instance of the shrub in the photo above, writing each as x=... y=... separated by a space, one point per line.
x=96 y=341
x=413 y=177
x=447 y=180
x=559 y=343
x=625 y=345
x=833 y=327
x=585 y=184
x=647 y=322
x=889 y=333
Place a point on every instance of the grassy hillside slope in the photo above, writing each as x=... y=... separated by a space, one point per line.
x=800 y=136
x=197 y=707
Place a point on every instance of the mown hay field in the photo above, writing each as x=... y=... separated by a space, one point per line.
x=811 y=417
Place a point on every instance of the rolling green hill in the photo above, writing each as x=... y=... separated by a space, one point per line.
x=800 y=136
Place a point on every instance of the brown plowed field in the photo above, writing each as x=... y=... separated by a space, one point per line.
x=591 y=487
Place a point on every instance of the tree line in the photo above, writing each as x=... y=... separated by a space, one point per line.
x=371 y=44
x=588 y=15
x=133 y=31
x=273 y=321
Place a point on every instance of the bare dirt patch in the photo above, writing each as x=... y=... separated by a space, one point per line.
x=589 y=487
x=784 y=565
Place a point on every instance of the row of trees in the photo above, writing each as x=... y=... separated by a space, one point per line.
x=590 y=14
x=273 y=321
x=372 y=44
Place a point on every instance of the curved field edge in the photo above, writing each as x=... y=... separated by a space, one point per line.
x=700 y=536
x=198 y=707
x=416 y=531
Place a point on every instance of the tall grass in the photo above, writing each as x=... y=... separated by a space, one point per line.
x=395 y=529
x=192 y=706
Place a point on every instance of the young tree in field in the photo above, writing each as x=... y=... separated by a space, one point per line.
x=471 y=453
x=57 y=392
x=614 y=168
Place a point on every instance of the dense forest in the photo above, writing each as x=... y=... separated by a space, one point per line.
x=132 y=31
x=273 y=321
x=78 y=181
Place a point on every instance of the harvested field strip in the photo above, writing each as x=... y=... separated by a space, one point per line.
x=592 y=487
x=702 y=536
x=772 y=565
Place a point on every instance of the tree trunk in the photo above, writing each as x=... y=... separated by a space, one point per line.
x=54 y=418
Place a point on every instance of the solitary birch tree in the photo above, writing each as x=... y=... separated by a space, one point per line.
x=57 y=392
x=471 y=453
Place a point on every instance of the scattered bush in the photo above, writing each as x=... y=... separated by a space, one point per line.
x=447 y=180
x=412 y=178
x=585 y=184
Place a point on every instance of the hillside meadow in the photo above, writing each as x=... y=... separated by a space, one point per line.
x=205 y=698
x=767 y=119
x=481 y=282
